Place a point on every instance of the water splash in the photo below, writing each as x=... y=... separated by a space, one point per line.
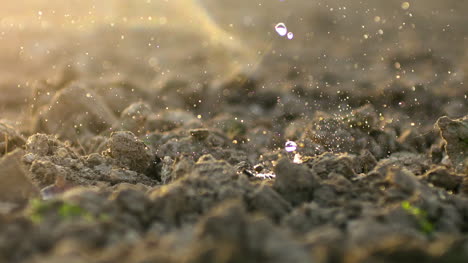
x=297 y=158
x=266 y=176
x=281 y=29
x=290 y=146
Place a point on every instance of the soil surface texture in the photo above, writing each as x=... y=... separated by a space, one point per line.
x=192 y=131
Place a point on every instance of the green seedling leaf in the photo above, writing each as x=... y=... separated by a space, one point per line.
x=66 y=211
x=421 y=216
x=36 y=210
x=69 y=210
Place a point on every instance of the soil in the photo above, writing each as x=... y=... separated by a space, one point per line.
x=164 y=140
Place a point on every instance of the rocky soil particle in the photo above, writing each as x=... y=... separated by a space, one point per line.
x=296 y=183
x=129 y=151
x=246 y=240
x=15 y=186
x=49 y=159
x=442 y=177
x=10 y=139
x=455 y=133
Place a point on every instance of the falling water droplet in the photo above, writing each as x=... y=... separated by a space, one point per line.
x=405 y=5
x=290 y=35
x=297 y=158
x=281 y=29
x=290 y=146
x=266 y=175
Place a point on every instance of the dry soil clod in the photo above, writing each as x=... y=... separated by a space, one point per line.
x=15 y=185
x=129 y=151
x=455 y=133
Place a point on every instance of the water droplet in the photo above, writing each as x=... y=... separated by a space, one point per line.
x=290 y=35
x=290 y=146
x=405 y=5
x=281 y=29
x=297 y=158
x=266 y=175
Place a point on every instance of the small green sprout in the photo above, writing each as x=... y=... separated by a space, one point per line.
x=421 y=216
x=66 y=211
x=37 y=210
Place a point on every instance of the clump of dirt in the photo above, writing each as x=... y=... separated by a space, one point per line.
x=10 y=138
x=49 y=159
x=16 y=188
x=455 y=133
x=130 y=152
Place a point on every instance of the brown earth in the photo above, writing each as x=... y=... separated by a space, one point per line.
x=155 y=132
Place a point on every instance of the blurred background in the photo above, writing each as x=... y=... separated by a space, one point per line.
x=338 y=45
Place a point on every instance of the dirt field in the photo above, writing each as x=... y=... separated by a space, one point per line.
x=191 y=131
